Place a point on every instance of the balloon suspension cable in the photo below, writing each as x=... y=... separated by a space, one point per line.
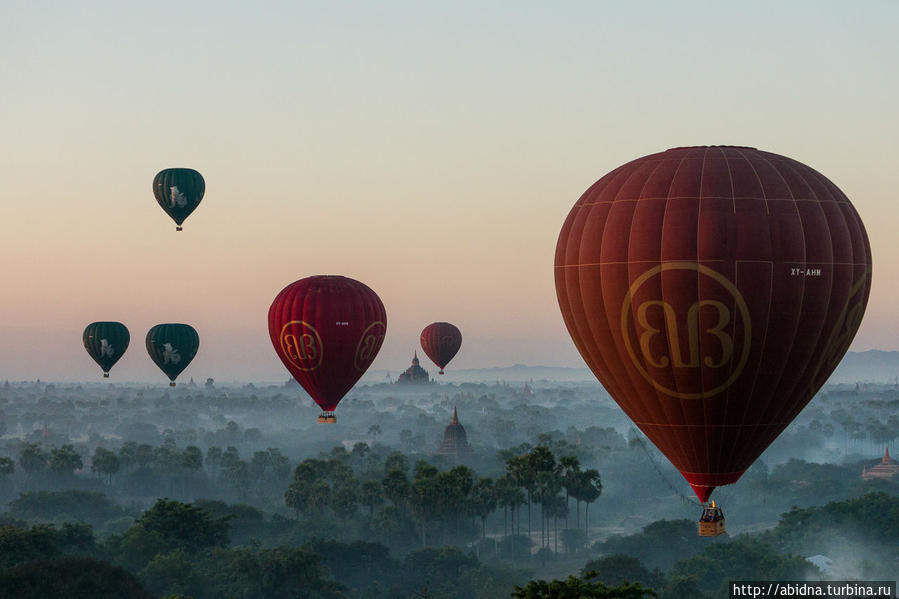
x=105 y=375
x=684 y=498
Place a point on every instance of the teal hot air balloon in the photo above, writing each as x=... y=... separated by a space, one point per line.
x=172 y=346
x=105 y=342
x=179 y=191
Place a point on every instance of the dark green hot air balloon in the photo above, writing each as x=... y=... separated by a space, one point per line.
x=105 y=342
x=179 y=191
x=172 y=346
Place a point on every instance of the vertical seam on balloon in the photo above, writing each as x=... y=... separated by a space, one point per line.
x=622 y=382
x=718 y=460
x=810 y=361
x=773 y=405
x=770 y=298
x=591 y=348
x=660 y=411
x=836 y=196
x=764 y=194
x=763 y=414
x=288 y=308
x=757 y=177
x=636 y=386
x=680 y=406
x=704 y=433
x=573 y=277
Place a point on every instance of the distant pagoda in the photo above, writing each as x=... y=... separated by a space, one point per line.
x=455 y=441
x=886 y=469
x=415 y=374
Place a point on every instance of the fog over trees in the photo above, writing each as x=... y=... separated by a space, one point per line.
x=210 y=490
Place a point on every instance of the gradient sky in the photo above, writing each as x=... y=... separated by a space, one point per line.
x=430 y=150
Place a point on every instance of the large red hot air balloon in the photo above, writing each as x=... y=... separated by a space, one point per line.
x=712 y=291
x=441 y=341
x=327 y=330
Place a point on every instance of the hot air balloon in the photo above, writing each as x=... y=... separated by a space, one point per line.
x=179 y=191
x=172 y=346
x=441 y=341
x=106 y=342
x=327 y=330
x=712 y=291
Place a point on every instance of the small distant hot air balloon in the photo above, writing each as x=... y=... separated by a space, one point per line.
x=105 y=342
x=179 y=191
x=172 y=346
x=327 y=330
x=441 y=341
x=712 y=291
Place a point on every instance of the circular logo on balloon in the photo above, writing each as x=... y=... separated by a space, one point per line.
x=369 y=345
x=691 y=331
x=301 y=345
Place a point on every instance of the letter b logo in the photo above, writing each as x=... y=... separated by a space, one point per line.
x=301 y=345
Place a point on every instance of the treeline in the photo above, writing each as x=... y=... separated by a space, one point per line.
x=141 y=469
x=857 y=536
x=451 y=506
x=185 y=549
x=178 y=549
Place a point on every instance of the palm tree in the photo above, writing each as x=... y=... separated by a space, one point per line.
x=343 y=502
x=516 y=467
x=509 y=496
x=397 y=488
x=590 y=489
x=556 y=508
x=569 y=468
x=424 y=502
x=483 y=501
x=546 y=488
x=371 y=496
x=525 y=468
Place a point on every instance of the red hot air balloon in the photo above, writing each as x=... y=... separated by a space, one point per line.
x=712 y=291
x=327 y=330
x=441 y=341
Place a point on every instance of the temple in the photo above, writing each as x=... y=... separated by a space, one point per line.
x=886 y=469
x=455 y=441
x=415 y=374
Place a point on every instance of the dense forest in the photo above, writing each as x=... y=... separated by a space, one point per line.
x=234 y=491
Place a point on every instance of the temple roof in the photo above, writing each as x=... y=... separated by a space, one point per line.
x=886 y=468
x=887 y=460
x=455 y=440
x=415 y=373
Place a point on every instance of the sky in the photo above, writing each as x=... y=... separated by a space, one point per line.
x=430 y=150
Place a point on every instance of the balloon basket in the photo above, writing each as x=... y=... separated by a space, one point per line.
x=105 y=375
x=711 y=522
x=178 y=228
x=327 y=418
x=172 y=384
x=441 y=372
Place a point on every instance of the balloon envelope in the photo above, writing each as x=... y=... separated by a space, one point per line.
x=712 y=291
x=179 y=191
x=327 y=330
x=172 y=346
x=441 y=341
x=105 y=342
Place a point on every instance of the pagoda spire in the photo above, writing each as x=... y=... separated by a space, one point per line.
x=455 y=417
